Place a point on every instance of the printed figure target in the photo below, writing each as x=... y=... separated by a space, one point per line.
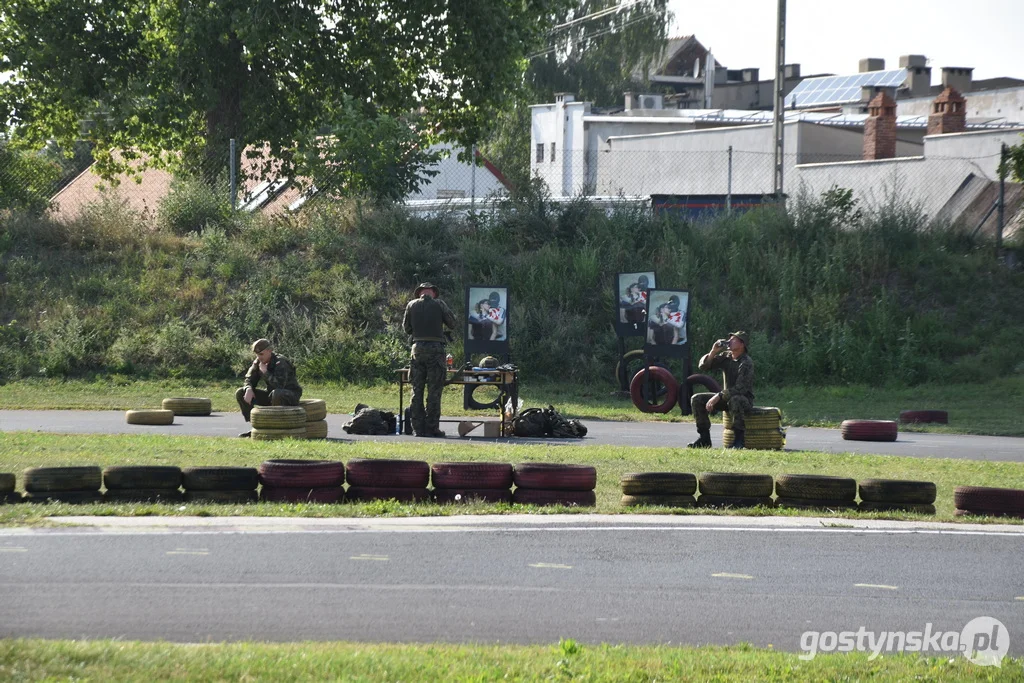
x=487 y=320
x=631 y=293
x=668 y=317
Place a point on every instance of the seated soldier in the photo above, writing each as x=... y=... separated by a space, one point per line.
x=277 y=372
x=738 y=395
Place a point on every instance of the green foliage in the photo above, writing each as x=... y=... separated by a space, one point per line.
x=1014 y=162
x=193 y=205
x=27 y=180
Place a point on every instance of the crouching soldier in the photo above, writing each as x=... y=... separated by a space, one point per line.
x=738 y=395
x=277 y=372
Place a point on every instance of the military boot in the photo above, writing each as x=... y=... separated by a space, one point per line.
x=737 y=441
x=703 y=440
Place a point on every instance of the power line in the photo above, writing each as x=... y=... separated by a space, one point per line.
x=597 y=14
x=613 y=29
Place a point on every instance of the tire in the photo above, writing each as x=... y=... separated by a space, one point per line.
x=664 y=500
x=762 y=440
x=554 y=497
x=686 y=391
x=897 y=491
x=316 y=409
x=357 y=494
x=316 y=429
x=143 y=496
x=554 y=477
x=471 y=475
x=410 y=474
x=11 y=498
x=923 y=508
x=318 y=494
x=221 y=497
x=220 y=478
x=149 y=417
x=278 y=417
x=868 y=430
x=73 y=497
x=638 y=390
x=924 y=416
x=988 y=500
x=658 y=484
x=982 y=513
x=706 y=501
x=735 y=484
x=758 y=419
x=266 y=434
x=815 y=487
x=814 y=503
x=52 y=479
x=469 y=397
x=6 y=482
x=498 y=495
x=126 y=477
x=631 y=363
x=192 y=407
x=306 y=474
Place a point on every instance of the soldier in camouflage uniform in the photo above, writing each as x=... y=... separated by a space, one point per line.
x=277 y=372
x=425 y=318
x=738 y=395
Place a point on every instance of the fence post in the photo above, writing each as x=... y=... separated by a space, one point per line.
x=233 y=174
x=728 y=188
x=472 y=179
x=1004 y=153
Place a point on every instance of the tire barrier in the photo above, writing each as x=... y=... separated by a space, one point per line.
x=922 y=508
x=278 y=434
x=303 y=474
x=128 y=477
x=72 y=497
x=639 y=393
x=896 y=491
x=221 y=496
x=552 y=476
x=192 y=407
x=455 y=495
x=149 y=417
x=196 y=479
x=760 y=418
x=400 y=494
x=143 y=496
x=316 y=429
x=278 y=417
x=713 y=501
x=813 y=503
x=57 y=479
x=316 y=409
x=670 y=484
x=6 y=482
x=815 y=487
x=471 y=475
x=924 y=416
x=389 y=474
x=986 y=500
x=622 y=368
x=762 y=440
x=11 y=498
x=868 y=430
x=564 y=497
x=735 y=485
x=291 y=494
x=662 y=499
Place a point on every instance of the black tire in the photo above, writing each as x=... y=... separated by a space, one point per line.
x=988 y=500
x=897 y=491
x=706 y=501
x=499 y=495
x=631 y=363
x=664 y=500
x=50 y=479
x=220 y=497
x=142 y=477
x=384 y=473
x=357 y=494
x=11 y=498
x=302 y=473
x=735 y=484
x=143 y=496
x=869 y=430
x=220 y=478
x=7 y=480
x=471 y=475
x=658 y=484
x=816 y=487
x=923 y=508
x=469 y=401
x=686 y=391
x=193 y=407
x=554 y=476
x=284 y=494
x=814 y=504
x=544 y=497
x=639 y=392
x=73 y=497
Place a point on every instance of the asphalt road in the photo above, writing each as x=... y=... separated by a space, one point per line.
x=517 y=580
x=672 y=435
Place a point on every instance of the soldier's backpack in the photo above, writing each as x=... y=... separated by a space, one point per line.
x=369 y=420
x=530 y=422
x=561 y=427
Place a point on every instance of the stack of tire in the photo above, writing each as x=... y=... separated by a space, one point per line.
x=554 y=484
x=815 y=492
x=227 y=485
x=464 y=482
x=402 y=480
x=302 y=481
x=7 y=492
x=735 y=490
x=986 y=500
x=316 y=417
x=889 y=495
x=63 y=484
x=142 y=484
x=762 y=429
x=149 y=417
x=869 y=430
x=278 y=422
x=189 y=407
x=668 y=489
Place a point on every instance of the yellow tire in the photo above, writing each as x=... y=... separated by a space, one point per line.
x=278 y=417
x=276 y=434
x=759 y=439
x=758 y=419
x=316 y=409
x=316 y=430
x=149 y=417
x=188 y=406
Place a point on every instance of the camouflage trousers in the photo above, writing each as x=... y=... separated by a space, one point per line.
x=426 y=370
x=737 y=407
x=262 y=397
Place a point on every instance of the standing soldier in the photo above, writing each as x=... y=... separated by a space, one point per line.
x=738 y=395
x=277 y=372
x=425 y=318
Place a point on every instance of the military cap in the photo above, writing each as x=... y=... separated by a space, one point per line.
x=260 y=345
x=426 y=285
x=742 y=336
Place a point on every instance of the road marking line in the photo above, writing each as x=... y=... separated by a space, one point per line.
x=1019 y=598
x=186 y=551
x=13 y=550
x=374 y=558
x=545 y=565
x=726 y=575
x=876 y=585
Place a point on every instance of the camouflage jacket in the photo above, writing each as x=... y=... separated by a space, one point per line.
x=738 y=373
x=425 y=319
x=280 y=374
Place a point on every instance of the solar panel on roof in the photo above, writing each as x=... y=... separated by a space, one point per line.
x=825 y=90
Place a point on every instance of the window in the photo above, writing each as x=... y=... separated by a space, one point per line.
x=552 y=152
x=540 y=152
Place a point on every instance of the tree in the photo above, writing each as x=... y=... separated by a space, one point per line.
x=179 y=78
x=27 y=179
x=1015 y=161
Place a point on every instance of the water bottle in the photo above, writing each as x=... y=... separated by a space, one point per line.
x=449 y=361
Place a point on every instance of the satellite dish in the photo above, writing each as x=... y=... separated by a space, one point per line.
x=696 y=67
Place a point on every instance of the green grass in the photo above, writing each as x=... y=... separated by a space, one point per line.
x=105 y=660
x=991 y=408
x=19 y=450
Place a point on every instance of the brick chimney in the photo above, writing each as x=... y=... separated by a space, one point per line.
x=880 y=128
x=949 y=113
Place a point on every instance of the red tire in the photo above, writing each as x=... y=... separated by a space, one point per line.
x=553 y=497
x=869 y=430
x=402 y=495
x=668 y=399
x=408 y=474
x=923 y=416
x=987 y=500
x=471 y=475
x=302 y=474
x=284 y=494
x=473 y=495
x=555 y=477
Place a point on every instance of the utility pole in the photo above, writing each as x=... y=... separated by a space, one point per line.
x=780 y=103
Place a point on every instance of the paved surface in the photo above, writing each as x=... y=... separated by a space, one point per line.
x=674 y=435
x=521 y=579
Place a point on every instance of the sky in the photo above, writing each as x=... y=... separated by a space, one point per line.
x=832 y=36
